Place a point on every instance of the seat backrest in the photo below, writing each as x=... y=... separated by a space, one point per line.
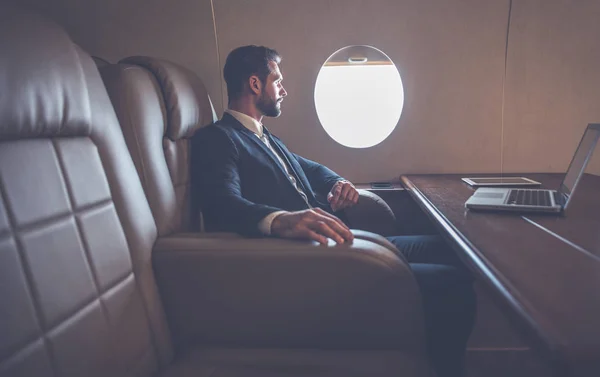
x=160 y=105
x=77 y=290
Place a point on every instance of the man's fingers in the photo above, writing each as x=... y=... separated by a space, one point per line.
x=346 y=190
x=305 y=231
x=337 y=191
x=335 y=194
x=316 y=237
x=343 y=231
x=352 y=198
x=334 y=202
x=339 y=228
x=322 y=227
x=337 y=188
x=343 y=194
x=314 y=224
x=337 y=225
x=355 y=197
x=332 y=217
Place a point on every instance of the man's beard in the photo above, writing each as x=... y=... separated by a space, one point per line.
x=268 y=107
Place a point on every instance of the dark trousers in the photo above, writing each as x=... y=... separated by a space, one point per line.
x=449 y=300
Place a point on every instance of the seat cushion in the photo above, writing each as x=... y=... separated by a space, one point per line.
x=296 y=363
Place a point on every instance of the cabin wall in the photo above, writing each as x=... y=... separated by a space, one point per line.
x=465 y=110
x=450 y=56
x=552 y=83
x=180 y=31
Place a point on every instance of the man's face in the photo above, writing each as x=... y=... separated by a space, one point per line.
x=269 y=101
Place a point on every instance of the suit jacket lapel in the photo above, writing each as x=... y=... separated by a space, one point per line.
x=254 y=139
x=261 y=145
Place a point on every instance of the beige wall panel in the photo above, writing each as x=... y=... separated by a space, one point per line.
x=450 y=55
x=553 y=83
x=181 y=31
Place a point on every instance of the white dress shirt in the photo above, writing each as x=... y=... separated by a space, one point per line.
x=256 y=127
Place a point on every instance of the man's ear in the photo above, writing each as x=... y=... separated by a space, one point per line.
x=255 y=85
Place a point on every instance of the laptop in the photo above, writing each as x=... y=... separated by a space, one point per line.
x=537 y=200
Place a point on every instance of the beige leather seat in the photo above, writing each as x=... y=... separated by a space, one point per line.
x=78 y=289
x=160 y=106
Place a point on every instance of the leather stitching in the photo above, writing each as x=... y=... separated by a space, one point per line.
x=80 y=233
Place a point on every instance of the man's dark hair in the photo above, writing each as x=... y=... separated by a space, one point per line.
x=244 y=62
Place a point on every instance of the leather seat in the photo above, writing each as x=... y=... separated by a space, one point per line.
x=160 y=106
x=78 y=240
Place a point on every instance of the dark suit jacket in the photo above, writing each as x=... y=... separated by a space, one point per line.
x=237 y=180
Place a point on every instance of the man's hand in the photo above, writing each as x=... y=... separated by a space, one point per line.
x=342 y=195
x=314 y=224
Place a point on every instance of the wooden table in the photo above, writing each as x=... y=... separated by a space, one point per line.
x=543 y=269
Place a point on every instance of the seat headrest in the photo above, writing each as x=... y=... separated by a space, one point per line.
x=43 y=91
x=186 y=100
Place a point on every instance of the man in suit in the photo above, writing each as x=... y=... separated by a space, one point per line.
x=248 y=182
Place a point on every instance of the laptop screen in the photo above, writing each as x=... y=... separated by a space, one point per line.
x=580 y=160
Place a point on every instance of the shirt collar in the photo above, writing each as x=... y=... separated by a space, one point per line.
x=247 y=121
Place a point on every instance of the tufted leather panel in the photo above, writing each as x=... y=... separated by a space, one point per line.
x=76 y=283
x=160 y=105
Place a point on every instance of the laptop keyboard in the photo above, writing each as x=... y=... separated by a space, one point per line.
x=540 y=198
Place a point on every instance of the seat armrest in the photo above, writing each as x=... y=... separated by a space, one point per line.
x=285 y=293
x=372 y=214
x=379 y=240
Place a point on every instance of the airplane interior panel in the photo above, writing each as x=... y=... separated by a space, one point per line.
x=262 y=244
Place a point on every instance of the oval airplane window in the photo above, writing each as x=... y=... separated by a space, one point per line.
x=359 y=96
